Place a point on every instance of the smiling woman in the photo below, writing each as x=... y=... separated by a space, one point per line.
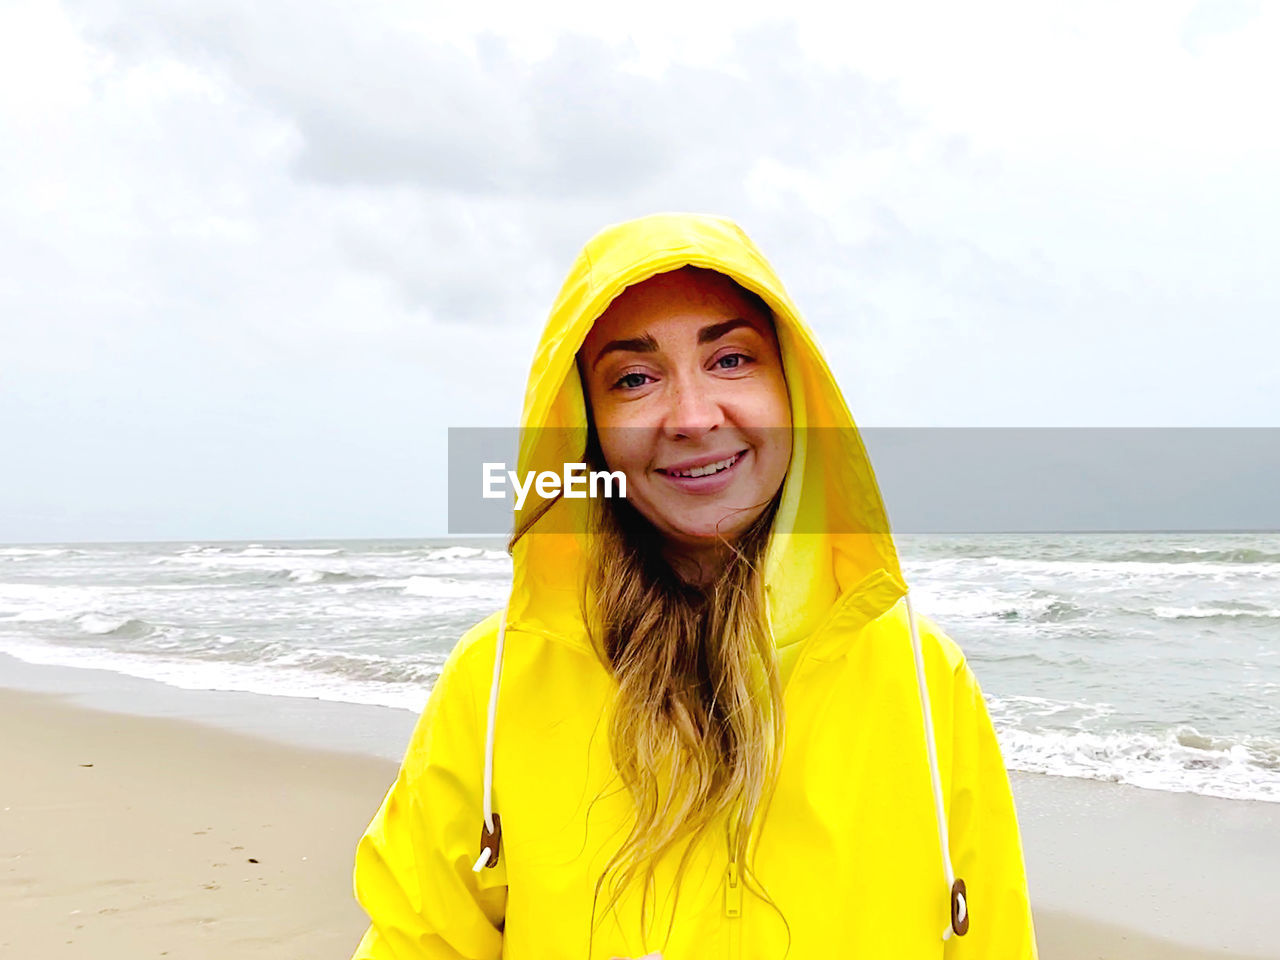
x=688 y=399
x=794 y=764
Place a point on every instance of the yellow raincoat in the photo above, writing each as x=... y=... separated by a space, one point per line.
x=875 y=809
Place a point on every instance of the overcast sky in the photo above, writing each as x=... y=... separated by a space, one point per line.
x=256 y=256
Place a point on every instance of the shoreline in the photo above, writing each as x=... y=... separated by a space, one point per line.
x=149 y=849
x=363 y=729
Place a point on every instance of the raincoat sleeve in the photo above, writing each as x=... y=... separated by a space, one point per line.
x=986 y=847
x=413 y=873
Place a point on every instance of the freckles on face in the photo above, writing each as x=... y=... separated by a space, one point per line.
x=684 y=378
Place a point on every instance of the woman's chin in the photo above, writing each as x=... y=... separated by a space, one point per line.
x=704 y=532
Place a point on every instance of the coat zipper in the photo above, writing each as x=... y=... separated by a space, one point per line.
x=733 y=895
x=733 y=908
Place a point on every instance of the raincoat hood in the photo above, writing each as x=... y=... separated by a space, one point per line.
x=830 y=532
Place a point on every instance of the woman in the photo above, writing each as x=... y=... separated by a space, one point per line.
x=709 y=720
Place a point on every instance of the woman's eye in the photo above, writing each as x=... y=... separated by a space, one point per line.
x=735 y=360
x=630 y=381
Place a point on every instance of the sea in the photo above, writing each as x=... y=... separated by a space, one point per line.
x=1147 y=659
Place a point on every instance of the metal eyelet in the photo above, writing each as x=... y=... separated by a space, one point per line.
x=959 y=908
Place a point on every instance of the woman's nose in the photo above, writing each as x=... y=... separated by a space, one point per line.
x=693 y=411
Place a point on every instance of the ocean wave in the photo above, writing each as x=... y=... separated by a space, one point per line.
x=49 y=602
x=365 y=667
x=1216 y=613
x=101 y=625
x=453 y=589
x=1017 y=710
x=21 y=553
x=978 y=603
x=216 y=563
x=269 y=679
x=1103 y=569
x=224 y=571
x=309 y=575
x=1098 y=568
x=464 y=553
x=1090 y=548
x=1179 y=759
x=1196 y=555
x=258 y=550
x=323 y=566
x=1031 y=657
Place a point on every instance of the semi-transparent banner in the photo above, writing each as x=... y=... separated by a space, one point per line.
x=932 y=480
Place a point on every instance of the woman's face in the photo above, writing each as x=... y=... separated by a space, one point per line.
x=685 y=382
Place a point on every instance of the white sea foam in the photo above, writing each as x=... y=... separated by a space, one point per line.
x=1075 y=738
x=447 y=587
x=945 y=601
x=308 y=567
x=260 y=551
x=96 y=624
x=1180 y=760
x=1008 y=711
x=1090 y=570
x=1201 y=613
x=250 y=561
x=464 y=553
x=279 y=680
x=43 y=603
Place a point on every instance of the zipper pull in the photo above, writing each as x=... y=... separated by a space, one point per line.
x=732 y=891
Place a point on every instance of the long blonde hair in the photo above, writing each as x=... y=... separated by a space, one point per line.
x=699 y=703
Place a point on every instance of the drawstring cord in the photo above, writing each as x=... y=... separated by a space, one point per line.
x=956 y=890
x=491 y=833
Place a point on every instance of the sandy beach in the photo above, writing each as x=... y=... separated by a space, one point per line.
x=142 y=837
x=126 y=836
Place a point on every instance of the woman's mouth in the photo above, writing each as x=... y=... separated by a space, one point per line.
x=707 y=477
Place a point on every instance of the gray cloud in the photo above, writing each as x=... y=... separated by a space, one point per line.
x=377 y=106
x=500 y=167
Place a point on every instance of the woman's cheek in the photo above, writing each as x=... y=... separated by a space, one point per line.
x=623 y=449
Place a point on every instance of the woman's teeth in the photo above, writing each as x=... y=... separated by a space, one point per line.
x=708 y=469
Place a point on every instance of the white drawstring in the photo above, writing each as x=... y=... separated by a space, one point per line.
x=932 y=750
x=488 y=737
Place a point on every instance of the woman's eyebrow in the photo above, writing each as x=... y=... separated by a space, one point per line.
x=644 y=344
x=717 y=330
